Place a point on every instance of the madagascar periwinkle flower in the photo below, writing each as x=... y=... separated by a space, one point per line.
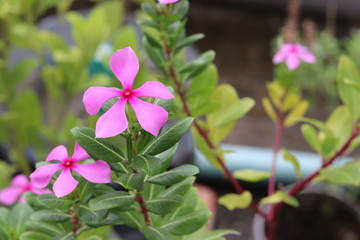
x=292 y=53
x=167 y=1
x=125 y=65
x=18 y=186
x=96 y=172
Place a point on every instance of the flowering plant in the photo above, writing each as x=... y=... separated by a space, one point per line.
x=130 y=148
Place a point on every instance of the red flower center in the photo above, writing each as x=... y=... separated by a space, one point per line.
x=127 y=93
x=294 y=49
x=68 y=163
x=27 y=188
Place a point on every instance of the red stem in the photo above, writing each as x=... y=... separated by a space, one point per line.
x=143 y=210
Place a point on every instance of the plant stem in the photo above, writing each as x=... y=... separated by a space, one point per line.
x=143 y=211
x=277 y=145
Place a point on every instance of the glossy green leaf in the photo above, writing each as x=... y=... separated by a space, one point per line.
x=278 y=197
x=110 y=200
x=180 y=188
x=293 y=160
x=45 y=227
x=188 y=223
x=198 y=65
x=156 y=55
x=50 y=215
x=168 y=138
x=251 y=175
x=180 y=8
x=99 y=148
x=175 y=175
x=188 y=41
x=155 y=233
x=131 y=180
x=164 y=205
x=51 y=201
x=132 y=218
x=149 y=164
x=234 y=111
x=34 y=236
x=232 y=201
x=90 y=216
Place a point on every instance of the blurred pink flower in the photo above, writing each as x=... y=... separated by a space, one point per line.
x=291 y=54
x=97 y=172
x=125 y=65
x=18 y=186
x=167 y=1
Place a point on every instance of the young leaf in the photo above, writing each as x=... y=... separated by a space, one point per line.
x=292 y=159
x=269 y=109
x=251 y=175
x=232 y=201
x=188 y=41
x=155 y=233
x=164 y=205
x=110 y=200
x=280 y=196
x=311 y=136
x=99 y=148
x=298 y=111
x=187 y=223
x=345 y=175
x=174 y=175
x=168 y=138
x=50 y=215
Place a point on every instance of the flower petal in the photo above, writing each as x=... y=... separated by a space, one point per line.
x=65 y=183
x=10 y=194
x=153 y=89
x=20 y=180
x=279 y=57
x=40 y=178
x=125 y=65
x=150 y=116
x=292 y=61
x=59 y=153
x=113 y=122
x=41 y=191
x=97 y=172
x=307 y=56
x=95 y=97
x=167 y=1
x=79 y=153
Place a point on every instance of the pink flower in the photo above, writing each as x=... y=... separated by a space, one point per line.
x=97 y=172
x=291 y=54
x=125 y=65
x=18 y=186
x=167 y=1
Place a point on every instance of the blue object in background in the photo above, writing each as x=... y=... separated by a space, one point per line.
x=258 y=158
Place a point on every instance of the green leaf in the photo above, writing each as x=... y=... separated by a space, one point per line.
x=345 y=175
x=232 y=201
x=44 y=227
x=21 y=71
x=298 y=111
x=187 y=223
x=269 y=109
x=131 y=181
x=149 y=164
x=152 y=41
x=311 y=136
x=65 y=236
x=180 y=8
x=156 y=55
x=174 y=175
x=278 y=197
x=133 y=219
x=168 y=138
x=198 y=65
x=90 y=216
x=155 y=233
x=251 y=175
x=50 y=215
x=348 y=72
x=34 y=236
x=234 y=111
x=292 y=159
x=110 y=200
x=188 y=41
x=340 y=123
x=18 y=218
x=180 y=188
x=99 y=148
x=164 y=205
x=213 y=235
x=51 y=201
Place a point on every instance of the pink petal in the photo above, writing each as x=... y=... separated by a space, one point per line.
x=292 y=61
x=41 y=191
x=113 y=122
x=95 y=97
x=307 y=56
x=20 y=180
x=125 y=65
x=79 y=153
x=279 y=57
x=97 y=172
x=153 y=89
x=59 y=153
x=150 y=116
x=10 y=194
x=40 y=178
x=167 y=1
x=65 y=183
